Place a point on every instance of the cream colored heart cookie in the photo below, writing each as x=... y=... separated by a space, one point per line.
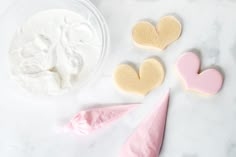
x=167 y=31
x=151 y=74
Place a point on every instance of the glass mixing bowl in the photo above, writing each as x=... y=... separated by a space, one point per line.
x=21 y=10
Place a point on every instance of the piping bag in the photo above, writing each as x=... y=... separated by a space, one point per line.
x=88 y=121
x=146 y=141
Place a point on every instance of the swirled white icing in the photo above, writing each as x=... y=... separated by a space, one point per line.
x=53 y=51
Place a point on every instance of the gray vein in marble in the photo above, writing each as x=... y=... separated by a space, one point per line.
x=189 y=155
x=233 y=49
x=210 y=46
x=231 y=150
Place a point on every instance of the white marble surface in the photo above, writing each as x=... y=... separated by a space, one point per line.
x=197 y=126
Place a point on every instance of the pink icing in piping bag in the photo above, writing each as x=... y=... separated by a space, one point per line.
x=147 y=139
x=90 y=120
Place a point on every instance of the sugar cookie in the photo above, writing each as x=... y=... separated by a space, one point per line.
x=167 y=31
x=208 y=82
x=151 y=74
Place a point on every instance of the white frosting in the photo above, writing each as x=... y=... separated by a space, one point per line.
x=53 y=51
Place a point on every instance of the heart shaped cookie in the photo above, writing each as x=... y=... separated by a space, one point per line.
x=151 y=74
x=167 y=31
x=208 y=82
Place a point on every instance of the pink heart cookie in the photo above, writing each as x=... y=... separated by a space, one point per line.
x=208 y=82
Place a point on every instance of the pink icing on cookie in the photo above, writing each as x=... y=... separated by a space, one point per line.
x=90 y=120
x=209 y=81
x=147 y=139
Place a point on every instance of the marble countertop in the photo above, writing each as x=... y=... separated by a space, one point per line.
x=197 y=126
